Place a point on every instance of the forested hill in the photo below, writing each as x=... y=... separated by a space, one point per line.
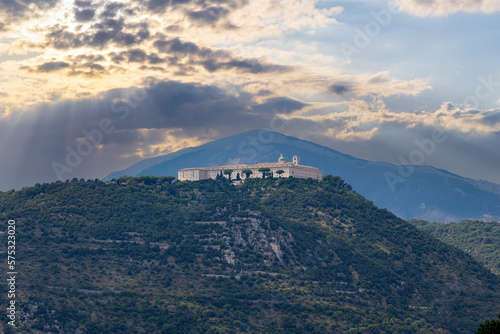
x=408 y=191
x=144 y=255
x=478 y=238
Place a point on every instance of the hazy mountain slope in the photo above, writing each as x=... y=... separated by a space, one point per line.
x=478 y=238
x=272 y=256
x=428 y=193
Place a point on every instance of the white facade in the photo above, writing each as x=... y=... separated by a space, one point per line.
x=289 y=168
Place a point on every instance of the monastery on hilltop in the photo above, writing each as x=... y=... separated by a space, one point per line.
x=288 y=169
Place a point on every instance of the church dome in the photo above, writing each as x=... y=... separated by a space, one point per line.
x=281 y=159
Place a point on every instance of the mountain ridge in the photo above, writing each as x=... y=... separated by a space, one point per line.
x=428 y=193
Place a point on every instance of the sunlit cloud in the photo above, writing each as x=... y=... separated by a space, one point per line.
x=446 y=7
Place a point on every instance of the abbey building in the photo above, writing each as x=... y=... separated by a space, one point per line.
x=281 y=168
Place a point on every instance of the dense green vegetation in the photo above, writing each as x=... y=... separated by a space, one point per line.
x=489 y=327
x=145 y=255
x=478 y=238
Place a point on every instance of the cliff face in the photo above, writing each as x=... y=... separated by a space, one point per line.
x=274 y=255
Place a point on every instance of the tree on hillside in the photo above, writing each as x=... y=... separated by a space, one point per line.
x=247 y=172
x=228 y=172
x=279 y=172
x=489 y=327
x=124 y=179
x=147 y=179
x=166 y=179
x=264 y=170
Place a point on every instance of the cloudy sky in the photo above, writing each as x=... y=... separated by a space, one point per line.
x=145 y=78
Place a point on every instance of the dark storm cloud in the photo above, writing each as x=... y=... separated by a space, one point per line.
x=340 y=89
x=88 y=69
x=111 y=31
x=209 y=15
x=52 y=66
x=253 y=66
x=14 y=12
x=246 y=66
x=153 y=59
x=84 y=15
x=83 y=3
x=112 y=9
x=152 y=68
x=116 y=31
x=136 y=56
x=159 y=6
x=104 y=31
x=175 y=45
x=110 y=24
x=84 y=64
x=200 y=12
x=117 y=58
x=187 y=108
x=20 y=8
x=213 y=60
x=91 y=57
x=282 y=104
x=173 y=28
x=97 y=67
x=492 y=118
x=186 y=105
x=206 y=9
x=61 y=39
x=183 y=57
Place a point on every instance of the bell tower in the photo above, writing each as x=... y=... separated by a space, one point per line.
x=295 y=160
